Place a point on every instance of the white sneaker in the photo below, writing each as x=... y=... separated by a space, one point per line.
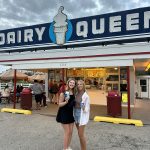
x=69 y=148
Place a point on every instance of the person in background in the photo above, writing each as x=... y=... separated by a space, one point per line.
x=55 y=90
x=61 y=89
x=50 y=89
x=6 y=93
x=18 y=91
x=65 y=112
x=21 y=87
x=37 y=90
x=43 y=95
x=60 y=84
x=81 y=111
x=95 y=83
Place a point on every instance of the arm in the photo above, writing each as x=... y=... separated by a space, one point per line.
x=61 y=100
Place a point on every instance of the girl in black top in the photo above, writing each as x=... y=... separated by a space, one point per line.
x=65 y=112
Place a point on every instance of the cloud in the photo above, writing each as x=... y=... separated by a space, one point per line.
x=120 y=5
x=4 y=68
x=18 y=13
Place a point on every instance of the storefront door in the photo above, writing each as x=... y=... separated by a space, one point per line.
x=144 y=88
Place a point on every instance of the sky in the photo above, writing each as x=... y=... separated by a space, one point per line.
x=19 y=13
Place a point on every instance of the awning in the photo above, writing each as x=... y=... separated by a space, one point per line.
x=79 y=63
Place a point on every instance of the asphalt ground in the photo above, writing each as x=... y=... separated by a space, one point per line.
x=42 y=132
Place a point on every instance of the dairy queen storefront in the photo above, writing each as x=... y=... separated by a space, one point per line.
x=103 y=49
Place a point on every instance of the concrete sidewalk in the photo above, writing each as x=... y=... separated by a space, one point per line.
x=42 y=132
x=140 y=111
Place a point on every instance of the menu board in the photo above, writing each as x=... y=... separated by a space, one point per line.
x=86 y=73
x=96 y=73
x=75 y=73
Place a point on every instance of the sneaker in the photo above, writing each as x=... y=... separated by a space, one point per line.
x=69 y=148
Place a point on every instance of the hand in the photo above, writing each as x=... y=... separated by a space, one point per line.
x=66 y=98
x=66 y=101
x=83 y=108
x=82 y=105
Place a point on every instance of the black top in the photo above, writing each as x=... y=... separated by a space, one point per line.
x=65 y=113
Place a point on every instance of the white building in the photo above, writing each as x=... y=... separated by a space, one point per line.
x=115 y=40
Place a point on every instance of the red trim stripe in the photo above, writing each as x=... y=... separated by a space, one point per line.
x=74 y=57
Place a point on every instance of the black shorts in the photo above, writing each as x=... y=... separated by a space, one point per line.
x=38 y=98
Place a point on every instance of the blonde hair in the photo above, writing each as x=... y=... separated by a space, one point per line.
x=67 y=85
x=82 y=83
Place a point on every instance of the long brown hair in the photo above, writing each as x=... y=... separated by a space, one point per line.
x=84 y=89
x=67 y=85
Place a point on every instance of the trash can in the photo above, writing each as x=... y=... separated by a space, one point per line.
x=114 y=104
x=26 y=99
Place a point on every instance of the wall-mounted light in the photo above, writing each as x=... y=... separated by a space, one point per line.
x=148 y=67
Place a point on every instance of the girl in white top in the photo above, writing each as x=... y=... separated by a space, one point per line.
x=81 y=111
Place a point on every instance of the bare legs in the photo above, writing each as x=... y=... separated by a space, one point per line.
x=55 y=98
x=68 y=129
x=71 y=131
x=81 y=136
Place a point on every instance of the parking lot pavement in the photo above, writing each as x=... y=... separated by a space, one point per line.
x=42 y=132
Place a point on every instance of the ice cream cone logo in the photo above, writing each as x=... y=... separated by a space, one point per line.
x=61 y=29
